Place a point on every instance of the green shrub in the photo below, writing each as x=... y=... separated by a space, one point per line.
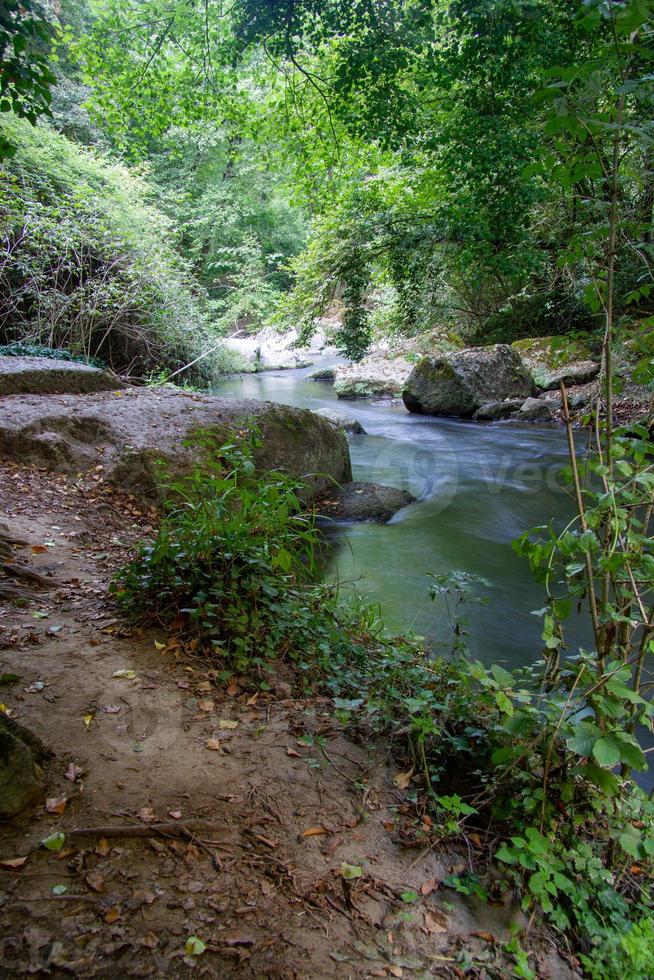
x=88 y=265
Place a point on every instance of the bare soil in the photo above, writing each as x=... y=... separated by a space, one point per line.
x=284 y=798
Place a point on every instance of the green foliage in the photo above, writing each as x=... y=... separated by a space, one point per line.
x=235 y=556
x=25 y=74
x=88 y=265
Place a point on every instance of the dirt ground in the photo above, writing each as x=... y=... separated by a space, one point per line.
x=281 y=846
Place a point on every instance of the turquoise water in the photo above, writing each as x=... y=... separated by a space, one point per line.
x=478 y=487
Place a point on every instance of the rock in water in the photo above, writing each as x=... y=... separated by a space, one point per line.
x=21 y=777
x=49 y=376
x=372 y=377
x=363 y=502
x=342 y=421
x=460 y=382
x=127 y=433
x=535 y=410
x=492 y=411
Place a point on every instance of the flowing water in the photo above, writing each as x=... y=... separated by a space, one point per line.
x=477 y=487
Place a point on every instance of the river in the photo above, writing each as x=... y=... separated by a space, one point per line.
x=478 y=487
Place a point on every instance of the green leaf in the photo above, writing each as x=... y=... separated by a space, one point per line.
x=194 y=946
x=350 y=871
x=54 y=842
x=409 y=896
x=607 y=752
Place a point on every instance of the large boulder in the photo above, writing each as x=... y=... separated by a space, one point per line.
x=21 y=776
x=342 y=421
x=49 y=376
x=536 y=410
x=363 y=502
x=125 y=434
x=459 y=383
x=372 y=377
x=494 y=411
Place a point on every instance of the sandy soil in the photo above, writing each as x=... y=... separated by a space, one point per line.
x=285 y=799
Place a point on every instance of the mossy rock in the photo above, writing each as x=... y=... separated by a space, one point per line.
x=21 y=775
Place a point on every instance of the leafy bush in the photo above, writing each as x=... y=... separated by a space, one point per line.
x=234 y=556
x=87 y=265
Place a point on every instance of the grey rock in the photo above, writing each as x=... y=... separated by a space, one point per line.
x=48 y=376
x=128 y=433
x=322 y=374
x=579 y=373
x=363 y=502
x=342 y=421
x=535 y=410
x=372 y=377
x=21 y=776
x=492 y=411
x=459 y=383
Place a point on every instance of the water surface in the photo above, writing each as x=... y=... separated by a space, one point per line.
x=478 y=487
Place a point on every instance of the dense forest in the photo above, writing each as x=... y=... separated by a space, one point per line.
x=424 y=177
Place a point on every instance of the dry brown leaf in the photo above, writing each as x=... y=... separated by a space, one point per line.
x=206 y=704
x=314 y=831
x=253 y=699
x=395 y=971
x=175 y=814
x=73 y=772
x=204 y=686
x=56 y=804
x=149 y=940
x=233 y=690
x=146 y=814
x=403 y=779
x=435 y=921
x=112 y=915
x=214 y=745
x=95 y=881
x=227 y=723
x=103 y=847
x=237 y=939
x=429 y=886
x=14 y=864
x=39 y=549
x=293 y=753
x=488 y=937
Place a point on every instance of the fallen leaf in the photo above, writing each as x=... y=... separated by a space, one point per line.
x=429 y=886
x=293 y=753
x=60 y=889
x=124 y=674
x=54 y=842
x=39 y=549
x=95 y=881
x=111 y=709
x=227 y=723
x=159 y=646
x=350 y=871
x=403 y=779
x=253 y=699
x=14 y=864
x=233 y=690
x=194 y=946
x=103 y=847
x=314 y=831
x=488 y=937
x=175 y=814
x=435 y=921
x=237 y=939
x=146 y=814
x=203 y=686
x=183 y=684
x=214 y=745
x=88 y=719
x=149 y=940
x=56 y=804
x=73 y=772
x=395 y=971
x=112 y=915
x=206 y=704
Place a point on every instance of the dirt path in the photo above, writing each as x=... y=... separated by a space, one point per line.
x=290 y=800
